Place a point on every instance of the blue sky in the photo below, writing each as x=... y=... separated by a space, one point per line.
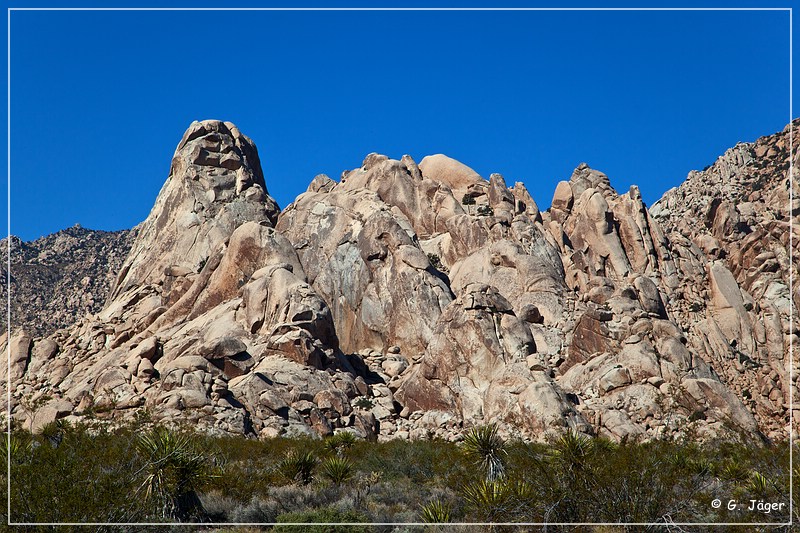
x=99 y=100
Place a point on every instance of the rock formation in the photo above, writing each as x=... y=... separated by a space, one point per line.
x=730 y=226
x=408 y=301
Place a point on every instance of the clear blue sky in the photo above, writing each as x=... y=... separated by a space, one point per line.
x=99 y=100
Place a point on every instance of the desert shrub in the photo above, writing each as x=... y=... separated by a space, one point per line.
x=90 y=472
x=401 y=500
x=635 y=484
x=418 y=461
x=218 y=507
x=322 y=516
x=239 y=529
x=252 y=465
x=467 y=200
x=436 y=262
x=363 y=403
x=81 y=474
x=255 y=511
x=298 y=498
x=582 y=479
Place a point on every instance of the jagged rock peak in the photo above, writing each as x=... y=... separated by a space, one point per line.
x=213 y=143
x=585 y=177
x=215 y=185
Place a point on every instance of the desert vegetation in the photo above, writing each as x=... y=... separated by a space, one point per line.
x=141 y=473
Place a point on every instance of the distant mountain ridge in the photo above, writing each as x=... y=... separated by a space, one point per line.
x=59 y=278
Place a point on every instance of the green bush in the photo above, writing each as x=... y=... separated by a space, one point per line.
x=436 y=262
x=323 y=516
x=420 y=462
x=88 y=477
x=363 y=403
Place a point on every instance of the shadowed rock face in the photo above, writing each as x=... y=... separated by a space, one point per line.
x=407 y=301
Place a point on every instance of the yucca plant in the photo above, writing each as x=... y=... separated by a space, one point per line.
x=678 y=460
x=733 y=471
x=521 y=489
x=340 y=443
x=337 y=469
x=486 y=493
x=486 y=448
x=298 y=467
x=700 y=467
x=175 y=470
x=759 y=484
x=573 y=450
x=489 y=501
x=436 y=512
x=17 y=446
x=604 y=445
x=54 y=432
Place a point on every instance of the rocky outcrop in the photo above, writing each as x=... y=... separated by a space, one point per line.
x=625 y=352
x=481 y=365
x=730 y=226
x=214 y=185
x=212 y=320
x=410 y=301
x=363 y=257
